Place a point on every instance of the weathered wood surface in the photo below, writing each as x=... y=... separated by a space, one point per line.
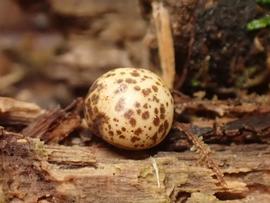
x=17 y=112
x=36 y=172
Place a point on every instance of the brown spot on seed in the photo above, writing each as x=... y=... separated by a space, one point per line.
x=138 y=131
x=137 y=88
x=95 y=110
x=146 y=91
x=155 y=88
x=115 y=120
x=111 y=133
x=155 y=99
x=120 y=105
x=135 y=73
x=122 y=136
x=161 y=128
x=162 y=108
x=134 y=139
x=121 y=88
x=89 y=111
x=119 y=80
x=146 y=77
x=137 y=104
x=94 y=99
x=154 y=138
x=162 y=111
x=166 y=125
x=128 y=114
x=132 y=122
x=145 y=115
x=123 y=129
x=130 y=81
x=138 y=111
x=99 y=119
x=109 y=75
x=118 y=132
x=88 y=102
x=156 y=110
x=145 y=106
x=156 y=121
x=157 y=83
x=162 y=116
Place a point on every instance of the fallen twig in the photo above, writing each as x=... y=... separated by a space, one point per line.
x=165 y=42
x=204 y=152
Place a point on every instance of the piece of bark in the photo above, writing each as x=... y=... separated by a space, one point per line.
x=249 y=129
x=222 y=108
x=55 y=125
x=18 y=112
x=102 y=174
x=223 y=122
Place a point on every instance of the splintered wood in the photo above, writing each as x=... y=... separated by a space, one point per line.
x=99 y=174
x=55 y=125
x=18 y=112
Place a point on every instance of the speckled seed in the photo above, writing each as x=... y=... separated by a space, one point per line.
x=129 y=108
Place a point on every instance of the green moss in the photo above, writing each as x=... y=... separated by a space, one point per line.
x=259 y=23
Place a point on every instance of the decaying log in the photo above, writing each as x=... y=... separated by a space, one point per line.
x=36 y=172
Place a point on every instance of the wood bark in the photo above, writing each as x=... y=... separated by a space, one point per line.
x=35 y=172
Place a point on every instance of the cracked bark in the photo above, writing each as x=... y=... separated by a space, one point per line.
x=102 y=174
